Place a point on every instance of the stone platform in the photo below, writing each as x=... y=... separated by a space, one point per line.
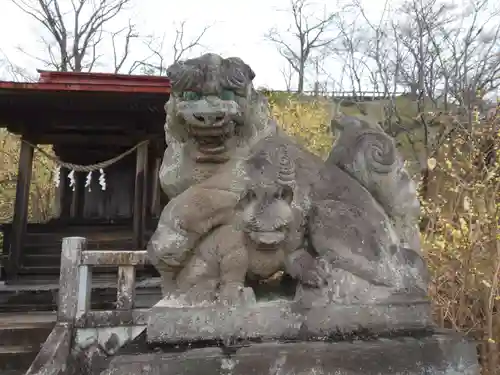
x=170 y=322
x=443 y=353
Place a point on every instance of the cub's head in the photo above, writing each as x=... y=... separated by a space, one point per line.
x=267 y=206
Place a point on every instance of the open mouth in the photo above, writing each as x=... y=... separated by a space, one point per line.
x=211 y=141
x=217 y=119
x=222 y=130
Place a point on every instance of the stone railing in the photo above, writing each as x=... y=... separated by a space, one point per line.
x=79 y=327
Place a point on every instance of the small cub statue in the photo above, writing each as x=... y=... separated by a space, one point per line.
x=255 y=245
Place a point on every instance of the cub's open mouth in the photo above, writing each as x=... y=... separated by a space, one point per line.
x=267 y=240
x=217 y=119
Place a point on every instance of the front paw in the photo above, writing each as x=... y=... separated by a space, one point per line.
x=235 y=295
x=201 y=293
x=313 y=276
x=310 y=271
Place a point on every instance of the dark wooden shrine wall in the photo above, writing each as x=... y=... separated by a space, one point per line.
x=117 y=200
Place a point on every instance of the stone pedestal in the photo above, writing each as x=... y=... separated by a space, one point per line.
x=171 y=322
x=274 y=338
x=434 y=354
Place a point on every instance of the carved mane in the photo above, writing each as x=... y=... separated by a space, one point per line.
x=210 y=69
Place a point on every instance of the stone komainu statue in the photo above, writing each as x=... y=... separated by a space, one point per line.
x=246 y=201
x=353 y=227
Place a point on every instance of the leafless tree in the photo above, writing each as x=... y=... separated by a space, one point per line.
x=453 y=51
x=442 y=53
x=307 y=35
x=164 y=51
x=351 y=52
x=371 y=56
x=13 y=72
x=76 y=31
x=446 y=55
x=125 y=35
x=418 y=23
x=474 y=61
x=287 y=74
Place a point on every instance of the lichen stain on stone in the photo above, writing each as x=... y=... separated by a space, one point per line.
x=228 y=365
x=277 y=366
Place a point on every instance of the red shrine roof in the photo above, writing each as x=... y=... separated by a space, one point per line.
x=101 y=82
x=88 y=102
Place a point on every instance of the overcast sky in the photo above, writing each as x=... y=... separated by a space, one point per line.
x=238 y=29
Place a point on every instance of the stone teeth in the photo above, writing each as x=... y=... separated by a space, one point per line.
x=212 y=149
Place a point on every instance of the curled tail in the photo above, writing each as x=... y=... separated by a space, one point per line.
x=369 y=155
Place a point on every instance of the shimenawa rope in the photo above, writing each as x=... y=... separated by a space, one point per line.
x=86 y=168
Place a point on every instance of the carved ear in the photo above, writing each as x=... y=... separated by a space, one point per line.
x=184 y=75
x=241 y=66
x=336 y=125
x=343 y=122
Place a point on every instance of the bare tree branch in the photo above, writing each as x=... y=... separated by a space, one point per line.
x=308 y=31
x=12 y=71
x=287 y=73
x=130 y=34
x=77 y=28
x=159 y=48
x=180 y=45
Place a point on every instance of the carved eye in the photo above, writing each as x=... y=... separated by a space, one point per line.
x=191 y=95
x=251 y=195
x=227 y=95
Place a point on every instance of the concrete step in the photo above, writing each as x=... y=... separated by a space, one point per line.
x=21 y=337
x=102 y=302
x=17 y=358
x=43 y=296
x=25 y=329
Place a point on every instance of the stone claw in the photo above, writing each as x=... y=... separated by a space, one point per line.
x=197 y=296
x=235 y=295
x=314 y=276
x=310 y=271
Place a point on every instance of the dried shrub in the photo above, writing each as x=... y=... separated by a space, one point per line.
x=461 y=235
x=42 y=189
